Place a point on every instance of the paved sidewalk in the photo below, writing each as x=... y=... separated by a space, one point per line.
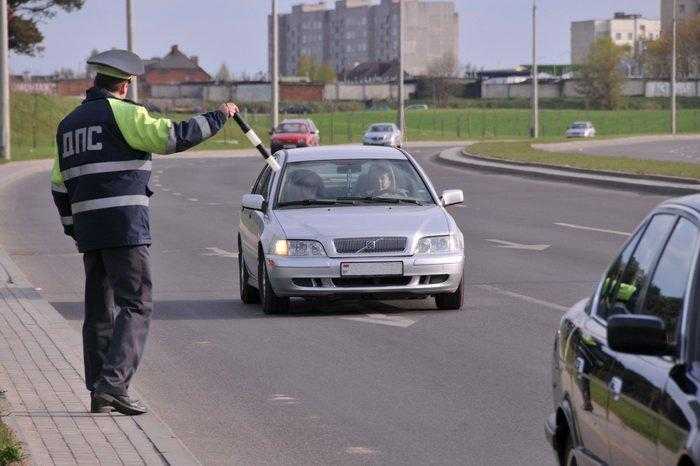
x=41 y=375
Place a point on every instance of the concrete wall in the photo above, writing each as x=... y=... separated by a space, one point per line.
x=569 y=88
x=346 y=91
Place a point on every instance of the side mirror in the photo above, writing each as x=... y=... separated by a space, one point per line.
x=638 y=334
x=452 y=196
x=253 y=202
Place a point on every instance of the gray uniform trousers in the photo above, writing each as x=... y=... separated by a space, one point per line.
x=114 y=338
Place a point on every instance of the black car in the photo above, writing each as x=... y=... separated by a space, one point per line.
x=626 y=363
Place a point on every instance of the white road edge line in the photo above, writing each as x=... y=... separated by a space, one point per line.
x=382 y=319
x=221 y=253
x=601 y=230
x=522 y=297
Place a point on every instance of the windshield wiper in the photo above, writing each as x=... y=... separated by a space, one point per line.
x=314 y=202
x=384 y=200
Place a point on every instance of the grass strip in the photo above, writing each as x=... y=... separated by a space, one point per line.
x=522 y=151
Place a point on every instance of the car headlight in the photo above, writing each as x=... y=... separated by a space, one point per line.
x=439 y=244
x=299 y=248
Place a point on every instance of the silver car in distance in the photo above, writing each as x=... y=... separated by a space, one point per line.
x=382 y=134
x=348 y=222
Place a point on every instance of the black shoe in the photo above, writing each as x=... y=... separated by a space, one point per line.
x=104 y=403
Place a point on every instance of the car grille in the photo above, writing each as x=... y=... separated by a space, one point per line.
x=368 y=282
x=370 y=245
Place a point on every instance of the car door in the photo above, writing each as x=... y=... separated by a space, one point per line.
x=668 y=296
x=251 y=223
x=590 y=363
x=637 y=382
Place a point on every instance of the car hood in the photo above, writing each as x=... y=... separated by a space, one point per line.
x=325 y=224
x=288 y=136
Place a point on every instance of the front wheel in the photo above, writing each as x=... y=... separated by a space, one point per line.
x=249 y=295
x=271 y=303
x=451 y=301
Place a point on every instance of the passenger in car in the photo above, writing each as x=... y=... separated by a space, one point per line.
x=304 y=184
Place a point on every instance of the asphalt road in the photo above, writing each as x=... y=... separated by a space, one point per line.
x=466 y=387
x=679 y=151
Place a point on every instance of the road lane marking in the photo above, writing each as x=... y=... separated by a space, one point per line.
x=601 y=230
x=522 y=297
x=214 y=203
x=192 y=199
x=382 y=319
x=177 y=194
x=166 y=189
x=360 y=451
x=526 y=247
x=220 y=253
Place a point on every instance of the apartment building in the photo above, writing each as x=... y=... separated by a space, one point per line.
x=359 y=31
x=686 y=9
x=624 y=29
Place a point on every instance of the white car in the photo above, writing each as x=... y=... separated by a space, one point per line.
x=383 y=134
x=348 y=222
x=581 y=129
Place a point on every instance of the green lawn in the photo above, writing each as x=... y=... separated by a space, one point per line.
x=35 y=117
x=10 y=451
x=522 y=151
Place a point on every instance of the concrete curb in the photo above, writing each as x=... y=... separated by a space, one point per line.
x=152 y=438
x=459 y=157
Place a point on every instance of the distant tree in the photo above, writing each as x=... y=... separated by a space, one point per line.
x=316 y=72
x=601 y=76
x=441 y=71
x=24 y=17
x=656 y=57
x=223 y=75
x=64 y=73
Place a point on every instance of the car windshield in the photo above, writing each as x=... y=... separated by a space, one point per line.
x=291 y=128
x=579 y=126
x=353 y=182
x=380 y=129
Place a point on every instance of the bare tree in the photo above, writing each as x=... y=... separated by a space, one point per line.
x=442 y=71
x=223 y=75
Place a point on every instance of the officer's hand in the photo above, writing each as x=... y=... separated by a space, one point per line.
x=229 y=108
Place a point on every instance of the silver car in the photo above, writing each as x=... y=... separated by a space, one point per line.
x=348 y=222
x=581 y=129
x=382 y=134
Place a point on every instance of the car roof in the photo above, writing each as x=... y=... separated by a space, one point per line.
x=343 y=152
x=389 y=124
x=691 y=202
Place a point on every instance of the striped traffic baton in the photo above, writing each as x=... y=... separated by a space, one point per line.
x=255 y=141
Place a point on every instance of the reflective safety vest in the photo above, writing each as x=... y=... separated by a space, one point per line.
x=100 y=174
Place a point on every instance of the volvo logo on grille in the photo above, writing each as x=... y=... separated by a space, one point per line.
x=370 y=245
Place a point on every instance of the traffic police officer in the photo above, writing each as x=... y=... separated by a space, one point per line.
x=100 y=187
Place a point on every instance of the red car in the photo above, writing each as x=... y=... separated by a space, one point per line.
x=294 y=133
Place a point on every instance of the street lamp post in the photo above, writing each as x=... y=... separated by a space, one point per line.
x=134 y=87
x=4 y=84
x=274 y=71
x=401 y=116
x=674 y=66
x=535 y=129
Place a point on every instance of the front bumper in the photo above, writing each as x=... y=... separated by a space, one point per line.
x=311 y=277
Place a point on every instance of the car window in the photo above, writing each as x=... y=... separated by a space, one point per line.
x=353 y=180
x=263 y=183
x=381 y=129
x=666 y=292
x=292 y=128
x=625 y=281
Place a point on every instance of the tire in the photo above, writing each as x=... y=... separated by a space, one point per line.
x=249 y=294
x=271 y=303
x=568 y=457
x=451 y=301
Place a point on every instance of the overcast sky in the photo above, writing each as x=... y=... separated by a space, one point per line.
x=493 y=33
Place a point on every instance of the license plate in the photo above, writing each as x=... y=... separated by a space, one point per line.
x=371 y=269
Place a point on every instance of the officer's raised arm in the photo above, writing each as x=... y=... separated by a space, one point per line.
x=161 y=135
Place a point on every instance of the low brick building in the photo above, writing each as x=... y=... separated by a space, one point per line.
x=174 y=68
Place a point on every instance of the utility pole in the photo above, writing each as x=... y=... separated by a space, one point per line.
x=535 y=128
x=401 y=119
x=4 y=85
x=275 y=67
x=674 y=66
x=134 y=87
